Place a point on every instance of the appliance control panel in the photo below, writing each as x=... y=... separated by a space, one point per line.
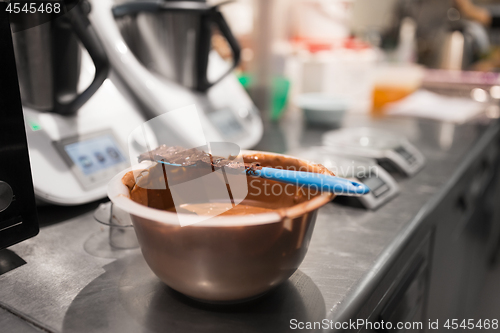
x=93 y=158
x=383 y=188
x=406 y=159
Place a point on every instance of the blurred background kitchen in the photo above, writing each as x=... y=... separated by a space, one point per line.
x=408 y=89
x=324 y=61
x=346 y=49
x=317 y=60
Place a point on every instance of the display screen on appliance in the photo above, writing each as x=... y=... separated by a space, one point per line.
x=226 y=122
x=373 y=183
x=93 y=155
x=376 y=185
x=406 y=155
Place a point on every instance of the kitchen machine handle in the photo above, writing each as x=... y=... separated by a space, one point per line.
x=88 y=37
x=218 y=19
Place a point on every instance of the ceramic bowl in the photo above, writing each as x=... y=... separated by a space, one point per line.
x=322 y=109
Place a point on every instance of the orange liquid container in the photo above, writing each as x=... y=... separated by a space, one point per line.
x=393 y=83
x=383 y=95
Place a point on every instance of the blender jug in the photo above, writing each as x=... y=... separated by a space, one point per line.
x=48 y=59
x=173 y=38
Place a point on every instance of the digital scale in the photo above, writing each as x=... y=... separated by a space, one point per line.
x=382 y=185
x=392 y=152
x=74 y=157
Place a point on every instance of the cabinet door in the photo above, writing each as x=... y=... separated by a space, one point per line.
x=403 y=310
x=402 y=295
x=466 y=227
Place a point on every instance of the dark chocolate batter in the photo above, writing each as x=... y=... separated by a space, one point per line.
x=194 y=157
x=263 y=194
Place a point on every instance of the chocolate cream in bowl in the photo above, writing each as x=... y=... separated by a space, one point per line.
x=262 y=196
x=226 y=260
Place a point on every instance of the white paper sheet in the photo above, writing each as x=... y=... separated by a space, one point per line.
x=426 y=104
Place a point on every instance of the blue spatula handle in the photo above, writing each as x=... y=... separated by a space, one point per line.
x=309 y=180
x=314 y=181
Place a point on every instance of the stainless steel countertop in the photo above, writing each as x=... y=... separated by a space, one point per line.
x=73 y=281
